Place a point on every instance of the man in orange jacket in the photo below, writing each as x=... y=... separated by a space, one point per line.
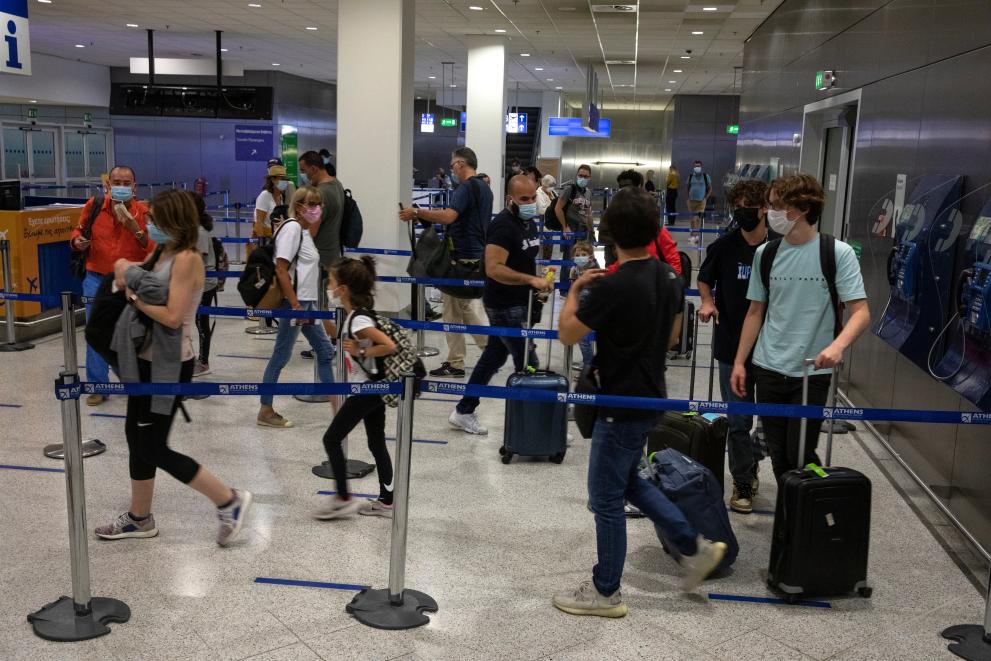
x=117 y=231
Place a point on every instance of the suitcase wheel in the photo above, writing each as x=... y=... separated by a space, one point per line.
x=502 y=449
x=558 y=458
x=506 y=457
x=792 y=598
x=865 y=592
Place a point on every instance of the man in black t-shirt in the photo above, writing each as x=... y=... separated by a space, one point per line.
x=726 y=270
x=512 y=243
x=631 y=312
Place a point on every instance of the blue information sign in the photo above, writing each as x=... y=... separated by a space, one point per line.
x=253 y=142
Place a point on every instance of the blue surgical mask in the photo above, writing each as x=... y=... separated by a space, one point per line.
x=157 y=235
x=582 y=182
x=527 y=211
x=326 y=160
x=303 y=179
x=454 y=178
x=282 y=185
x=581 y=261
x=121 y=193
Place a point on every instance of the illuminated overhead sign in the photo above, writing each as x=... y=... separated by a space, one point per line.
x=516 y=122
x=825 y=80
x=572 y=127
x=427 y=122
x=15 y=56
x=448 y=121
x=733 y=129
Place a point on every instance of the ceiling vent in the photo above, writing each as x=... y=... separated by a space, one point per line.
x=614 y=9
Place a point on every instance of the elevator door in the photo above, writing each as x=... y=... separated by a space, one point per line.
x=835 y=166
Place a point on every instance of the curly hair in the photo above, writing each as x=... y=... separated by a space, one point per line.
x=753 y=192
x=803 y=192
x=359 y=277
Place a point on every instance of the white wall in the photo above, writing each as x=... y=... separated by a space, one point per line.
x=485 y=128
x=54 y=80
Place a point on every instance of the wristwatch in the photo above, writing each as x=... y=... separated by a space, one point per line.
x=140 y=234
x=133 y=298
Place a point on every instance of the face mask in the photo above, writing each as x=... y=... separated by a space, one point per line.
x=334 y=299
x=582 y=182
x=312 y=214
x=304 y=179
x=747 y=218
x=581 y=261
x=697 y=170
x=326 y=161
x=454 y=177
x=157 y=235
x=526 y=211
x=778 y=220
x=282 y=185
x=121 y=193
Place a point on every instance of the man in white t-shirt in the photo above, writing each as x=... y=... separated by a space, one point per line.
x=297 y=270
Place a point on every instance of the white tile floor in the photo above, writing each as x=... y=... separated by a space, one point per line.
x=489 y=542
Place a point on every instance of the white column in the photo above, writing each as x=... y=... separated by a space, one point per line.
x=375 y=125
x=550 y=145
x=485 y=130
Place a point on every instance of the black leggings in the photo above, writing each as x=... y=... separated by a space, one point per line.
x=782 y=434
x=371 y=410
x=671 y=205
x=203 y=325
x=148 y=434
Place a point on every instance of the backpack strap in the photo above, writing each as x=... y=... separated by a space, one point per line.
x=298 y=248
x=340 y=331
x=827 y=262
x=98 y=200
x=766 y=262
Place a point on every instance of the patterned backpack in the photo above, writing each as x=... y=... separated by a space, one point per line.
x=392 y=367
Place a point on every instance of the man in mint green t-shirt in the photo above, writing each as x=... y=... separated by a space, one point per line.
x=796 y=320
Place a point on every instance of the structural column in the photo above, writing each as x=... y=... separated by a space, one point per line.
x=375 y=55
x=485 y=129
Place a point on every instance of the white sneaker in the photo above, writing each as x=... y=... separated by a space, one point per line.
x=697 y=567
x=467 y=422
x=335 y=507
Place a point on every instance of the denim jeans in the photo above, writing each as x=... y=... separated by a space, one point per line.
x=497 y=350
x=617 y=447
x=587 y=349
x=285 y=341
x=97 y=369
x=743 y=456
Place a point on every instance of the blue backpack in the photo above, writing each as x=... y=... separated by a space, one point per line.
x=692 y=487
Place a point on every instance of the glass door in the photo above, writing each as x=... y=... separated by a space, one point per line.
x=85 y=159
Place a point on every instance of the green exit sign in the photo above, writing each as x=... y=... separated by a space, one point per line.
x=32 y=113
x=88 y=117
x=733 y=129
x=825 y=80
x=448 y=121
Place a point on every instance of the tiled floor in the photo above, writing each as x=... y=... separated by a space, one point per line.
x=490 y=542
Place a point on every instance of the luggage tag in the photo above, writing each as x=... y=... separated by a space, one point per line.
x=815 y=468
x=711 y=417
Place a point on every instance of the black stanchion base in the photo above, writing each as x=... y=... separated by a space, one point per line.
x=356 y=469
x=970 y=642
x=58 y=620
x=373 y=608
x=92 y=447
x=312 y=399
x=8 y=347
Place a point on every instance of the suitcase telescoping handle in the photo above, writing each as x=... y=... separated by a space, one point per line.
x=833 y=384
x=695 y=350
x=804 y=422
x=528 y=324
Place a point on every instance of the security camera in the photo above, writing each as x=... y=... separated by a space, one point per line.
x=688 y=50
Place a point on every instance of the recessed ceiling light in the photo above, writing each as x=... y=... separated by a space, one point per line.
x=255 y=5
x=454 y=85
x=35 y=100
x=500 y=30
x=80 y=46
x=310 y=27
x=559 y=88
x=130 y=25
x=276 y=64
x=476 y=8
x=223 y=50
x=677 y=71
x=697 y=32
x=672 y=82
x=686 y=57
x=418 y=98
x=667 y=89
x=44 y=2
x=432 y=77
x=710 y=8
x=524 y=54
x=538 y=68
x=550 y=80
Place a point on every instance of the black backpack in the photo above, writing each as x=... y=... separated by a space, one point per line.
x=352 y=225
x=259 y=271
x=221 y=262
x=106 y=308
x=77 y=263
x=827 y=262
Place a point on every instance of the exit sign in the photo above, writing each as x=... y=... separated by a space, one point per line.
x=448 y=121
x=825 y=80
x=88 y=117
x=32 y=113
x=733 y=129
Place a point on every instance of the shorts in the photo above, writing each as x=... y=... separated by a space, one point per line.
x=696 y=206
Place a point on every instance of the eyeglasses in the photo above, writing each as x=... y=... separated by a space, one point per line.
x=456 y=162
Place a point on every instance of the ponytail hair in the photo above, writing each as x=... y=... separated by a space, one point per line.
x=359 y=277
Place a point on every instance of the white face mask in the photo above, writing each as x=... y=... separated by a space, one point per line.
x=334 y=300
x=778 y=220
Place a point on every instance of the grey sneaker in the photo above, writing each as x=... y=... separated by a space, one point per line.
x=467 y=422
x=586 y=600
x=232 y=517
x=335 y=507
x=376 y=507
x=697 y=567
x=124 y=526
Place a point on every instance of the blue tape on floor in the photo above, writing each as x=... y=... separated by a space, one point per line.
x=107 y=415
x=38 y=469
x=231 y=355
x=11 y=406
x=311 y=584
x=421 y=440
x=767 y=600
x=356 y=495
x=761 y=512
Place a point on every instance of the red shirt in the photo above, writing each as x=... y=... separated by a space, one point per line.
x=110 y=239
x=668 y=251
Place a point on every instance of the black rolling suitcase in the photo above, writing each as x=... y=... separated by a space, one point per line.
x=535 y=429
x=822 y=527
x=701 y=436
x=686 y=338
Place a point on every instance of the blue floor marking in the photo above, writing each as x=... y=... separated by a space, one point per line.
x=11 y=406
x=311 y=584
x=421 y=440
x=37 y=469
x=356 y=495
x=767 y=600
x=107 y=415
x=761 y=512
x=230 y=355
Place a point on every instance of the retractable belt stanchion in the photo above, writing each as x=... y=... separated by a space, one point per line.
x=11 y=344
x=972 y=641
x=81 y=616
x=423 y=351
x=355 y=468
x=318 y=399
x=835 y=377
x=237 y=229
x=395 y=607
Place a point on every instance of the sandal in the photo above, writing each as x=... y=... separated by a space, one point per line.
x=276 y=421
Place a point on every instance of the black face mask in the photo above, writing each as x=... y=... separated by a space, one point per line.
x=747 y=218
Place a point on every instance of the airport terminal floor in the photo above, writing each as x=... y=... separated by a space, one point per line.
x=490 y=542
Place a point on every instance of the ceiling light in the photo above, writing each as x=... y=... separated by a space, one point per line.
x=276 y=64
x=686 y=57
x=476 y=8
x=538 y=68
x=454 y=85
x=500 y=30
x=254 y=5
x=559 y=88
x=432 y=77
x=566 y=9
x=223 y=50
x=524 y=54
x=418 y=98
x=697 y=32
x=672 y=82
x=310 y=27
x=130 y=25
x=667 y=89
x=35 y=100
x=44 y=2
x=80 y=46
x=610 y=62
x=550 y=80
x=710 y=8
x=677 y=71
